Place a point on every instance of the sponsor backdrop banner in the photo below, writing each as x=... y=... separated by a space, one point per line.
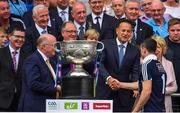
x=67 y=105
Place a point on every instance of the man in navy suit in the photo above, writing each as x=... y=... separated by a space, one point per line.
x=142 y=30
x=39 y=80
x=102 y=22
x=79 y=14
x=11 y=60
x=120 y=61
x=40 y=26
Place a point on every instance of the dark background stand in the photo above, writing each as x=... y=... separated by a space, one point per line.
x=78 y=87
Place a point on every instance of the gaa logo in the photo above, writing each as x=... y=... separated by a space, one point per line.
x=52 y=105
x=71 y=105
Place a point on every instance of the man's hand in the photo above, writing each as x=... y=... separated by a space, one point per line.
x=58 y=91
x=113 y=83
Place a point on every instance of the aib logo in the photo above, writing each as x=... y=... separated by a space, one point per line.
x=71 y=105
x=85 y=106
x=52 y=105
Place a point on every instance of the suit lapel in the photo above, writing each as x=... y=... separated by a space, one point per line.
x=139 y=30
x=127 y=53
x=115 y=52
x=9 y=59
x=45 y=65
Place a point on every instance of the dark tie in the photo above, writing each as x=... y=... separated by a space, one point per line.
x=133 y=40
x=63 y=16
x=14 y=53
x=44 y=31
x=81 y=33
x=98 y=24
x=121 y=54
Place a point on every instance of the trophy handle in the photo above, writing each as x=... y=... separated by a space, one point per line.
x=57 y=47
x=102 y=47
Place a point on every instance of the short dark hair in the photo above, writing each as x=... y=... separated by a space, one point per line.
x=173 y=21
x=150 y=44
x=17 y=28
x=124 y=20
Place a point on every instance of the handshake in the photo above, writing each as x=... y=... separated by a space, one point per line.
x=114 y=84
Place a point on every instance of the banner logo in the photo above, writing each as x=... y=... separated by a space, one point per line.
x=71 y=105
x=102 y=106
x=85 y=106
x=52 y=105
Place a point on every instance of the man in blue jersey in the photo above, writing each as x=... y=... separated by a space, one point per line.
x=151 y=83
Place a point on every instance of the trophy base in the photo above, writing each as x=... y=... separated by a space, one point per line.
x=77 y=87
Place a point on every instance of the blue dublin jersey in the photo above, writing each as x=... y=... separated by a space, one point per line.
x=153 y=70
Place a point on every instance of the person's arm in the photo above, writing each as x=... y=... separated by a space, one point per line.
x=130 y=86
x=171 y=87
x=144 y=96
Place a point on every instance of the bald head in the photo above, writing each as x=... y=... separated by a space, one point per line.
x=157 y=9
x=45 y=44
x=44 y=39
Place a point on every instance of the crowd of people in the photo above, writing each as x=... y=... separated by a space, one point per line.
x=139 y=68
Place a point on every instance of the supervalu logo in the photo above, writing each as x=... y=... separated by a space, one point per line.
x=71 y=105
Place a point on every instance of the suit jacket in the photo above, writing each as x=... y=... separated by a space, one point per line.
x=55 y=22
x=143 y=32
x=54 y=14
x=86 y=27
x=107 y=28
x=171 y=85
x=32 y=35
x=37 y=84
x=128 y=72
x=9 y=79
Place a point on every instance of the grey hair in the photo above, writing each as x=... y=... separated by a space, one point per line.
x=37 y=8
x=127 y=2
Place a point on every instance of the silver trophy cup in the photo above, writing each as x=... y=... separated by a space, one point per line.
x=78 y=84
x=79 y=52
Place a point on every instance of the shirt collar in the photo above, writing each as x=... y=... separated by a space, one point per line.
x=43 y=55
x=154 y=23
x=123 y=16
x=149 y=57
x=59 y=10
x=94 y=16
x=12 y=49
x=40 y=29
x=119 y=43
x=78 y=25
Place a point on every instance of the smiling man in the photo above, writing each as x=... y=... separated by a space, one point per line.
x=11 y=61
x=120 y=61
x=40 y=26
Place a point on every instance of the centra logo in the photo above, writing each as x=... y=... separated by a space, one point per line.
x=71 y=105
x=52 y=105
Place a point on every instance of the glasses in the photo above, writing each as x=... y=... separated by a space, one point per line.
x=19 y=37
x=157 y=10
x=71 y=31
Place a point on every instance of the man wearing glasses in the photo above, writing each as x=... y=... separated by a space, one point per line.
x=11 y=61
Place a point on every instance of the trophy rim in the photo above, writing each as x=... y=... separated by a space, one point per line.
x=79 y=41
